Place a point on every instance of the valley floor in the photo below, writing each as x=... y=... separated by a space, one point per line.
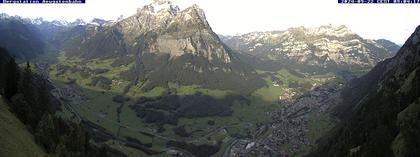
x=275 y=118
x=298 y=124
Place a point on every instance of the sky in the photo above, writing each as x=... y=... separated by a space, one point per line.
x=394 y=22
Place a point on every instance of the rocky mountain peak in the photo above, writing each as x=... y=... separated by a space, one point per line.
x=328 y=46
x=38 y=21
x=325 y=30
x=99 y=22
x=160 y=7
x=174 y=32
x=163 y=14
x=78 y=22
x=196 y=12
x=331 y=30
x=166 y=45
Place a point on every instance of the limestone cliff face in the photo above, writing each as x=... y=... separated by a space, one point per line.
x=334 y=47
x=172 y=31
x=166 y=44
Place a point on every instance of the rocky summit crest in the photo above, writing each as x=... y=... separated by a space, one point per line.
x=176 y=31
x=167 y=45
x=328 y=47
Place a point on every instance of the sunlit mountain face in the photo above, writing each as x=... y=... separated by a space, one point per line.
x=161 y=82
x=324 y=49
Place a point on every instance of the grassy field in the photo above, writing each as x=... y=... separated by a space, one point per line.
x=117 y=86
x=100 y=109
x=15 y=140
x=319 y=124
x=192 y=89
x=271 y=92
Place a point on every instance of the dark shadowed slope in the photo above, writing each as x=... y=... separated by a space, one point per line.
x=15 y=140
x=20 y=38
x=381 y=110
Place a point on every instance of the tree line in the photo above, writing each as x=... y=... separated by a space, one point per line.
x=29 y=99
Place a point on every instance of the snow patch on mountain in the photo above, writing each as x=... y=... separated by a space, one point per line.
x=160 y=7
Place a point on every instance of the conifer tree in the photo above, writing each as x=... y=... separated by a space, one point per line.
x=12 y=78
x=43 y=99
x=46 y=133
x=25 y=85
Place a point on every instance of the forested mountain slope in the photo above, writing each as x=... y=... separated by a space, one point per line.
x=381 y=110
x=16 y=140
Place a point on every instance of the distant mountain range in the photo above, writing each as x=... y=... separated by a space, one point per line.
x=325 y=48
x=166 y=45
x=19 y=37
x=26 y=38
x=161 y=45
x=161 y=40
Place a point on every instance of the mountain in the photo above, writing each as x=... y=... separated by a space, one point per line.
x=56 y=33
x=166 y=45
x=224 y=37
x=27 y=38
x=49 y=31
x=380 y=113
x=19 y=37
x=326 y=48
x=389 y=45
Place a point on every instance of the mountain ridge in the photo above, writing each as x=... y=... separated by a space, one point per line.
x=328 y=47
x=380 y=110
x=167 y=45
x=15 y=31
